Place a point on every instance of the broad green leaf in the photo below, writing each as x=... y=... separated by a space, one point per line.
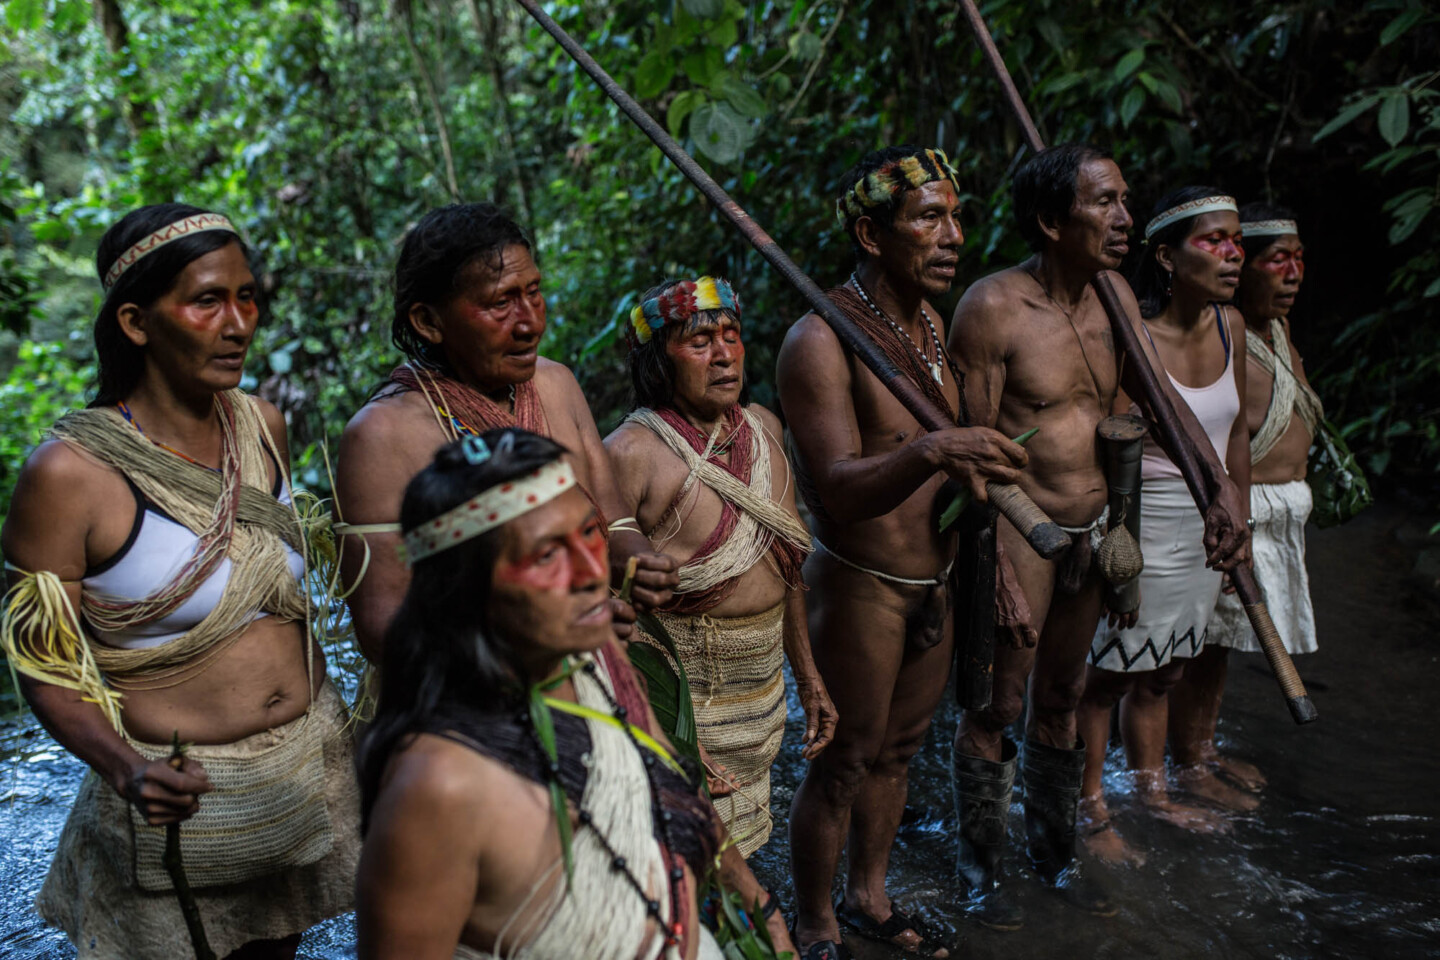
x=1129 y=63
x=1397 y=27
x=741 y=96
x=703 y=9
x=718 y=131
x=805 y=46
x=681 y=107
x=1169 y=95
x=1434 y=289
x=1052 y=32
x=701 y=66
x=1345 y=116
x=25 y=14
x=725 y=32
x=653 y=74
x=1395 y=118
x=1063 y=82
x=1130 y=106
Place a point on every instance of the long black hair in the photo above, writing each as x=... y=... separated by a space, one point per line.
x=433 y=256
x=1149 y=280
x=440 y=649
x=120 y=360
x=652 y=372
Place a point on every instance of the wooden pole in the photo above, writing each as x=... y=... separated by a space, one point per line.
x=1042 y=533
x=175 y=866
x=1185 y=455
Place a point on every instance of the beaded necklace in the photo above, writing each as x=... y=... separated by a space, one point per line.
x=130 y=419
x=936 y=367
x=661 y=817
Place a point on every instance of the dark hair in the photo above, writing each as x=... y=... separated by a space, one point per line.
x=652 y=372
x=120 y=360
x=440 y=649
x=1261 y=211
x=883 y=213
x=1044 y=188
x=1149 y=280
x=435 y=254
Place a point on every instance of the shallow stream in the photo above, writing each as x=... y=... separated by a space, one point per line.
x=1342 y=859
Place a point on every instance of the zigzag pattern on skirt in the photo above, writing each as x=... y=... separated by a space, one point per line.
x=1159 y=657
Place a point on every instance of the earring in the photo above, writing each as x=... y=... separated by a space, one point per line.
x=1169 y=282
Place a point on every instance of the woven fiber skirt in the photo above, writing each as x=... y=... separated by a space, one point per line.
x=1280 y=511
x=737 y=681
x=1177 y=591
x=91 y=892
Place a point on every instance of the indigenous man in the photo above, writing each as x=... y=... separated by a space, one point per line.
x=880 y=622
x=1036 y=349
x=520 y=798
x=469 y=314
x=707 y=479
x=1283 y=414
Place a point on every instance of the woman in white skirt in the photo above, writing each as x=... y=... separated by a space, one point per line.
x=1281 y=413
x=1190 y=268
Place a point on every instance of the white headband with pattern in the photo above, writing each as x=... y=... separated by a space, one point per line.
x=489 y=509
x=1269 y=228
x=184 y=227
x=1192 y=208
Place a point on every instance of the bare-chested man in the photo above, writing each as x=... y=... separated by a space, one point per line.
x=469 y=314
x=1037 y=351
x=706 y=477
x=880 y=622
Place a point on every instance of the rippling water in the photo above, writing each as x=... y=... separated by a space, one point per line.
x=1341 y=860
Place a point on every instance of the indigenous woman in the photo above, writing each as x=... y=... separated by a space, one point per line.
x=520 y=799
x=156 y=562
x=706 y=476
x=1282 y=414
x=1189 y=269
x=469 y=315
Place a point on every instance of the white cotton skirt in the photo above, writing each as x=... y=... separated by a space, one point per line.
x=1177 y=591
x=1280 y=511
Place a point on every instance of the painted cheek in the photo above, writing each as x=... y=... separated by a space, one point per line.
x=532 y=574
x=589 y=557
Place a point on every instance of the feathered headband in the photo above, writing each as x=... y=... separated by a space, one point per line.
x=907 y=173
x=184 y=227
x=1191 y=208
x=680 y=302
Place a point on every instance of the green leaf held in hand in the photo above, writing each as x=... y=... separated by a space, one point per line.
x=962 y=499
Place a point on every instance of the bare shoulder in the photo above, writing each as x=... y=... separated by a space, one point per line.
x=1121 y=286
x=767 y=418
x=631 y=442
x=274 y=419
x=811 y=344
x=61 y=468
x=436 y=777
x=387 y=419
x=555 y=379
x=57 y=495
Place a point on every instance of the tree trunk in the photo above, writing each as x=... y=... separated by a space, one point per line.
x=432 y=96
x=134 y=107
x=487 y=25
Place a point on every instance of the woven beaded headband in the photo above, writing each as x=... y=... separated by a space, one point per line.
x=489 y=509
x=1192 y=208
x=680 y=302
x=877 y=188
x=1269 y=228
x=183 y=227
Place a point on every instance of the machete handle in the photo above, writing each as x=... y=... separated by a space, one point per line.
x=1043 y=534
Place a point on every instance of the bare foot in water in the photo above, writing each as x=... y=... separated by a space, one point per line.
x=1242 y=773
x=1099 y=836
x=1156 y=797
x=1201 y=782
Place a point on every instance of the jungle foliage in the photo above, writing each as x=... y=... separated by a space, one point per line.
x=325 y=127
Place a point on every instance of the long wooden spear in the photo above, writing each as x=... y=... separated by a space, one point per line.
x=1042 y=533
x=174 y=864
x=1186 y=455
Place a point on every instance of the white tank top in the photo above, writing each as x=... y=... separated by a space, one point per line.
x=1215 y=406
x=151 y=557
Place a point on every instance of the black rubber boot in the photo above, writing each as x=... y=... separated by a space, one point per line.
x=1052 y=780
x=982 y=806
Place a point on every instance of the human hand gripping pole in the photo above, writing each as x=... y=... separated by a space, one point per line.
x=1042 y=533
x=1302 y=709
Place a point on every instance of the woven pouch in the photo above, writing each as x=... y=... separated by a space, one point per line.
x=266 y=814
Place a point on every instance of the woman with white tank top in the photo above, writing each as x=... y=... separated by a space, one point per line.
x=1188 y=271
